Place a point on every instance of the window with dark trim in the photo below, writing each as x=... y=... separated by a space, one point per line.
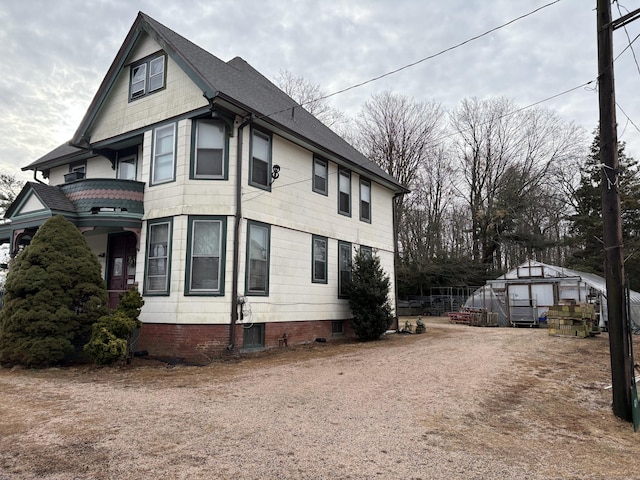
x=260 y=166
x=163 y=157
x=320 y=176
x=147 y=76
x=257 y=276
x=367 y=252
x=205 y=256
x=365 y=200
x=344 y=268
x=158 y=256
x=209 y=153
x=319 y=256
x=344 y=192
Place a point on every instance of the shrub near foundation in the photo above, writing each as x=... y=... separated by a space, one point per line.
x=53 y=294
x=368 y=297
x=111 y=334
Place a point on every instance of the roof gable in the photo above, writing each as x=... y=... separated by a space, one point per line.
x=37 y=197
x=239 y=84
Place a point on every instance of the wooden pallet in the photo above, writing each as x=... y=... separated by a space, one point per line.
x=460 y=317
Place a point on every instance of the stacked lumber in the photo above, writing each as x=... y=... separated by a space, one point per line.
x=481 y=318
x=572 y=319
x=460 y=317
x=477 y=317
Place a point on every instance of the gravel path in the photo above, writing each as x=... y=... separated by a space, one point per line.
x=439 y=405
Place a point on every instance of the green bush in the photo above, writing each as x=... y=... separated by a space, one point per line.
x=111 y=336
x=368 y=297
x=53 y=294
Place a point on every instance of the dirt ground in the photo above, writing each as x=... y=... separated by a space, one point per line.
x=455 y=402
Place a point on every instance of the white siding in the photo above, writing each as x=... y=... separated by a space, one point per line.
x=117 y=115
x=294 y=212
x=97 y=167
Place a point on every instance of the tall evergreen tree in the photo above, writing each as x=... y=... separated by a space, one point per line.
x=53 y=294
x=587 y=224
x=369 y=297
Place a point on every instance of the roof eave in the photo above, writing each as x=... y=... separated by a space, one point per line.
x=299 y=139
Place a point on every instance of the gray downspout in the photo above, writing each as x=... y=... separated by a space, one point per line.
x=35 y=173
x=236 y=238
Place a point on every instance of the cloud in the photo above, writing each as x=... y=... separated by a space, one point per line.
x=55 y=54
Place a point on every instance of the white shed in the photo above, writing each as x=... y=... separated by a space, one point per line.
x=523 y=295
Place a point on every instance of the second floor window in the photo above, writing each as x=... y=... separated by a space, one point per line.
x=344 y=192
x=260 y=167
x=147 y=76
x=209 y=154
x=320 y=176
x=365 y=200
x=162 y=169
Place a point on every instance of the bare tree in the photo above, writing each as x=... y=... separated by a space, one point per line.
x=10 y=186
x=311 y=97
x=399 y=134
x=422 y=236
x=506 y=160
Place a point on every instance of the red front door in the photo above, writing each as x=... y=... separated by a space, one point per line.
x=121 y=267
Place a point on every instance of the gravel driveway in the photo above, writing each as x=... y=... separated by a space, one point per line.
x=456 y=402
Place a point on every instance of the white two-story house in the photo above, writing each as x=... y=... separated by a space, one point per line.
x=234 y=210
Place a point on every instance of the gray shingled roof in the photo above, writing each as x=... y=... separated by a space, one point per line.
x=52 y=197
x=236 y=82
x=63 y=151
x=239 y=81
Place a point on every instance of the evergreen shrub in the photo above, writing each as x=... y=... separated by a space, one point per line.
x=368 y=297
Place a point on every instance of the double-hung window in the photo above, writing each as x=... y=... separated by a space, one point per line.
x=158 y=256
x=147 y=76
x=164 y=147
x=319 y=254
x=344 y=192
x=344 y=269
x=365 y=200
x=320 y=176
x=209 y=150
x=205 y=258
x=257 y=276
x=260 y=167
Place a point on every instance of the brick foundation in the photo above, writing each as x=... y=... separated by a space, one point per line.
x=204 y=343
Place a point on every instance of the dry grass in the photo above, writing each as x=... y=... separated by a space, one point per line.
x=456 y=402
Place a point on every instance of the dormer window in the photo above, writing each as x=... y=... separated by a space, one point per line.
x=147 y=76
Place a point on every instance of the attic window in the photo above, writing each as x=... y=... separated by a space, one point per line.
x=147 y=76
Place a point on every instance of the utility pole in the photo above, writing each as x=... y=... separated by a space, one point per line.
x=621 y=369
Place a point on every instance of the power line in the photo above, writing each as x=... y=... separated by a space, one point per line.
x=629 y=40
x=458 y=45
x=369 y=161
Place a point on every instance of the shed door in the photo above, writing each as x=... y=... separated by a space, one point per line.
x=542 y=293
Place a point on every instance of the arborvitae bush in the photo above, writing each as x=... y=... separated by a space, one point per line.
x=111 y=335
x=53 y=294
x=368 y=297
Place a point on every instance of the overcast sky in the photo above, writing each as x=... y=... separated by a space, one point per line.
x=54 y=54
